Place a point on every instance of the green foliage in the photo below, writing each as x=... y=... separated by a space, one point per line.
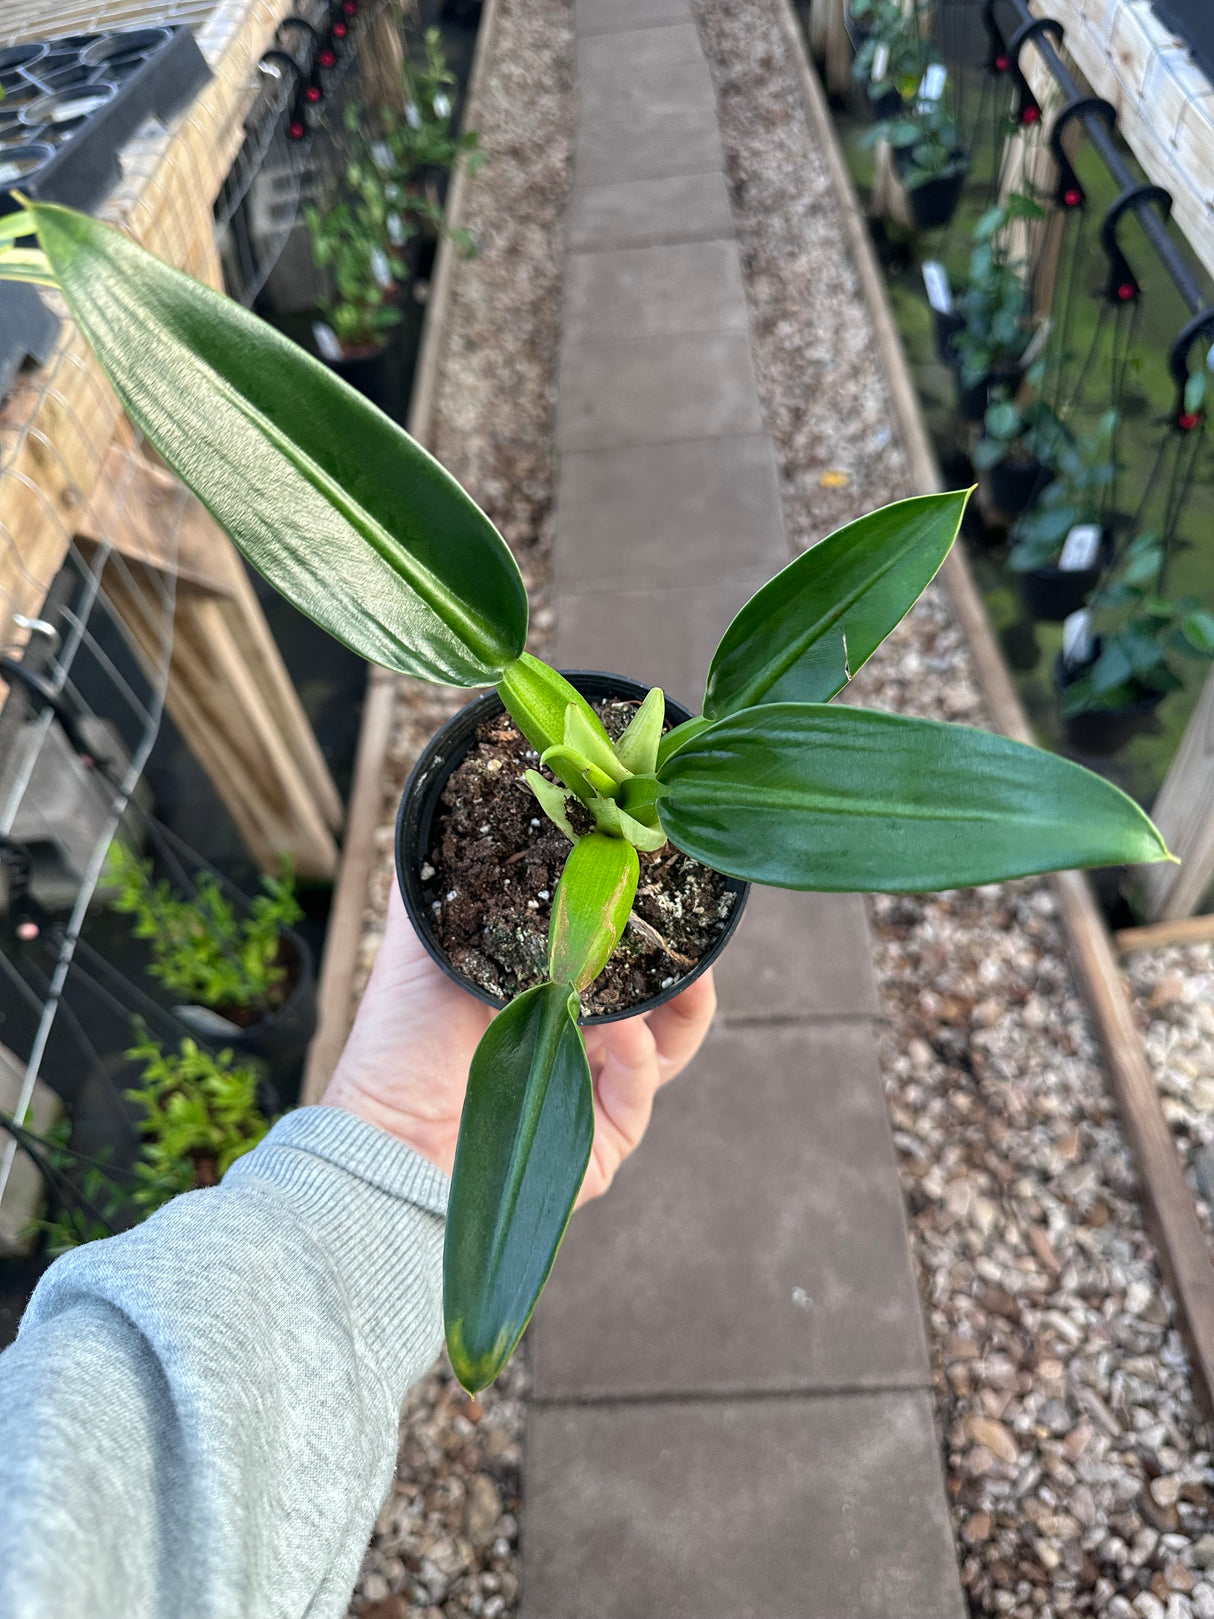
x=995 y=300
x=903 y=33
x=203 y=949
x=96 y=1205
x=359 y=528
x=200 y=1115
x=1034 y=433
x=350 y=241
x=1084 y=469
x=1141 y=631
x=925 y=140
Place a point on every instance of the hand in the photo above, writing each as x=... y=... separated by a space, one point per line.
x=405 y=1065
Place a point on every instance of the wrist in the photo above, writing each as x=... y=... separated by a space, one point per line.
x=423 y=1136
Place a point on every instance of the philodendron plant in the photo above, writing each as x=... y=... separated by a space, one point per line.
x=366 y=533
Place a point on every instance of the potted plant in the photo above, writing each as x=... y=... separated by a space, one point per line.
x=363 y=269
x=1110 y=685
x=1018 y=452
x=770 y=783
x=245 y=979
x=994 y=310
x=892 y=51
x=928 y=157
x=1054 y=581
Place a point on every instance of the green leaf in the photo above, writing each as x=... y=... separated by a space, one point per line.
x=804 y=635
x=637 y=749
x=1198 y=629
x=590 y=740
x=346 y=515
x=537 y=698
x=673 y=740
x=609 y=817
x=571 y=768
x=590 y=912
x=524 y=1143
x=808 y=796
x=553 y=800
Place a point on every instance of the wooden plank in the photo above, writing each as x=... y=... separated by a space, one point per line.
x=1184 y=813
x=1168 y=1203
x=1159 y=935
x=344 y=934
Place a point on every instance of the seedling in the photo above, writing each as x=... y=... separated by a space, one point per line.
x=358 y=526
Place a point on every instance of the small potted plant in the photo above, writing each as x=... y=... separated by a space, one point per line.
x=769 y=783
x=994 y=310
x=353 y=244
x=929 y=160
x=1052 y=546
x=1111 y=682
x=245 y=979
x=1017 y=454
x=892 y=52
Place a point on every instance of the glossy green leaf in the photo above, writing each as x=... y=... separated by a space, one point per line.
x=339 y=508
x=571 y=768
x=609 y=817
x=682 y=734
x=588 y=739
x=537 y=698
x=637 y=749
x=590 y=912
x=524 y=1143
x=553 y=800
x=803 y=636
x=802 y=795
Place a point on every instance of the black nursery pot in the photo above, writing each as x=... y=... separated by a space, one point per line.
x=972 y=402
x=948 y=326
x=419 y=802
x=934 y=203
x=1102 y=731
x=1013 y=486
x=369 y=373
x=284 y=1034
x=887 y=105
x=1052 y=594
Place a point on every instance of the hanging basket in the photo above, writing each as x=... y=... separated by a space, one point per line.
x=1011 y=487
x=1053 y=594
x=934 y=203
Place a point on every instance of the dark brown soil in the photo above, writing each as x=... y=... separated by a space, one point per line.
x=494 y=864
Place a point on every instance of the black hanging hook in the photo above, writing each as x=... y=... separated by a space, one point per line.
x=1068 y=193
x=1201 y=326
x=1123 y=286
x=997 y=59
x=283 y=65
x=1028 y=108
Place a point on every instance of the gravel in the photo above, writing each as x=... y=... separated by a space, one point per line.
x=446 y=1542
x=1077 y=1465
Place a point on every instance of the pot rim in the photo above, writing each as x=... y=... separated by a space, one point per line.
x=430 y=775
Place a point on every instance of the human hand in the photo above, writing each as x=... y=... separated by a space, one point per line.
x=405 y=1065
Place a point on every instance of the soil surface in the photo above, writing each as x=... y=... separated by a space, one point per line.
x=495 y=861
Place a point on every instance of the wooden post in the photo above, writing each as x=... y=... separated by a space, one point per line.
x=1184 y=813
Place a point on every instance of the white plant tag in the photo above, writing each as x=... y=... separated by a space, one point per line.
x=325 y=339
x=381 y=269
x=1077 y=648
x=932 y=86
x=442 y=106
x=880 y=63
x=939 y=293
x=396 y=229
x=412 y=116
x=1036 y=343
x=1081 y=548
x=381 y=156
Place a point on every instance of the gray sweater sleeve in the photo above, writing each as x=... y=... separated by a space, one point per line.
x=199 y=1416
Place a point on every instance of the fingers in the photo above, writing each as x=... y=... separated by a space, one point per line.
x=625 y=1082
x=679 y=1027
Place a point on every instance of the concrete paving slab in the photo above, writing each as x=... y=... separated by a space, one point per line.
x=828 y=1508
x=799 y=956
x=604 y=16
x=618 y=55
x=649 y=145
x=664 y=637
x=666 y=514
x=655 y=89
x=614 y=295
x=655 y=390
x=638 y=213
x=756 y=1242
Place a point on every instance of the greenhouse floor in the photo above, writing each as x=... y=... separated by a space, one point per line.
x=731 y=1408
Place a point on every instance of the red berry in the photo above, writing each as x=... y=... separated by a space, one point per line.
x=1126 y=291
x=327 y=59
x=339 y=30
x=351 y=8
x=1001 y=64
x=296 y=131
x=311 y=93
x=1188 y=421
x=1072 y=197
x=1030 y=115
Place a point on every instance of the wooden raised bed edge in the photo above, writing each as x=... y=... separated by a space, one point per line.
x=358 y=851
x=1183 y=1249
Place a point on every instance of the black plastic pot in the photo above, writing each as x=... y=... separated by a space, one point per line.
x=1052 y=594
x=934 y=203
x=370 y=374
x=282 y=1035
x=1013 y=486
x=415 y=820
x=887 y=105
x=948 y=326
x=1103 y=730
x=972 y=401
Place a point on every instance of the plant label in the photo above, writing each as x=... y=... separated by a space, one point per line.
x=1081 y=548
x=326 y=342
x=1036 y=344
x=1077 y=648
x=939 y=293
x=880 y=63
x=381 y=156
x=381 y=270
x=931 y=87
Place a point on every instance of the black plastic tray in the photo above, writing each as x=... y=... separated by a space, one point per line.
x=71 y=104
